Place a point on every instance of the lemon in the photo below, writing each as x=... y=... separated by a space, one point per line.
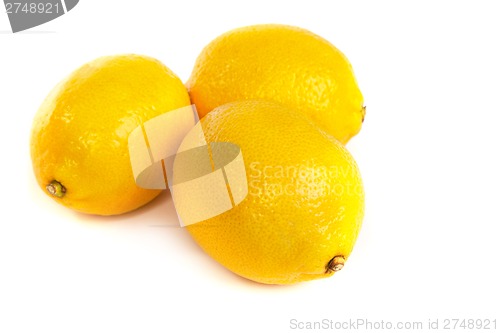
x=305 y=201
x=79 y=135
x=280 y=63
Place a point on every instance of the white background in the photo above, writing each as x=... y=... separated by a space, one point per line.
x=428 y=152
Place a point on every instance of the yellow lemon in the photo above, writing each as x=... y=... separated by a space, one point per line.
x=305 y=201
x=280 y=63
x=79 y=136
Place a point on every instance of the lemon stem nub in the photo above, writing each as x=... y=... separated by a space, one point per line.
x=336 y=264
x=56 y=189
x=363 y=114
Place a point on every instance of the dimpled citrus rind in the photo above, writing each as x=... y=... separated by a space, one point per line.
x=281 y=63
x=80 y=133
x=305 y=203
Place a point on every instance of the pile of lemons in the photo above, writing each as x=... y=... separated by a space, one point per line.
x=286 y=96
